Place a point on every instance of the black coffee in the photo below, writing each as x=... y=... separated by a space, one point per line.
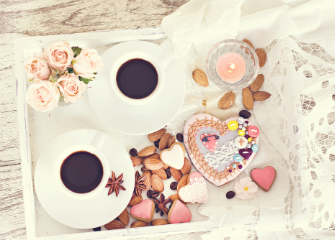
x=81 y=172
x=137 y=78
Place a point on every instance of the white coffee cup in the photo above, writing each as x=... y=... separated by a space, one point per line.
x=94 y=148
x=160 y=63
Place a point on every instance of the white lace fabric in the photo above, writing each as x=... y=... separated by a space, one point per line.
x=297 y=122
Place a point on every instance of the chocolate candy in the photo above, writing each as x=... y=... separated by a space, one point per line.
x=230 y=194
x=245 y=114
x=180 y=137
x=245 y=153
x=97 y=229
x=232 y=125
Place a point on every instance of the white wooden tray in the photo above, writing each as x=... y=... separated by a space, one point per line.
x=38 y=129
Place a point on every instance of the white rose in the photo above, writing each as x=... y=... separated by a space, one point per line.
x=59 y=55
x=43 y=95
x=37 y=67
x=87 y=63
x=71 y=87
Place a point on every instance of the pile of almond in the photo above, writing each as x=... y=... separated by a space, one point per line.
x=155 y=172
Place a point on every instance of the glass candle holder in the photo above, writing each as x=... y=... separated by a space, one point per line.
x=232 y=64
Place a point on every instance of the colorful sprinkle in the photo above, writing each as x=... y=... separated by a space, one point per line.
x=234 y=165
x=241 y=133
x=240 y=166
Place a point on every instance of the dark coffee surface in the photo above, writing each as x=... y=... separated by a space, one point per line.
x=81 y=172
x=137 y=78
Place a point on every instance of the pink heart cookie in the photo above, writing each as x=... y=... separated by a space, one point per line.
x=264 y=178
x=143 y=211
x=179 y=213
x=195 y=190
x=225 y=163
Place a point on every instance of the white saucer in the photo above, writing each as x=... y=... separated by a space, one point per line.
x=136 y=120
x=83 y=213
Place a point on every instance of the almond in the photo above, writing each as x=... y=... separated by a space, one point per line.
x=160 y=173
x=136 y=161
x=187 y=167
x=261 y=96
x=124 y=217
x=176 y=174
x=147 y=151
x=261 y=54
x=135 y=200
x=157 y=183
x=174 y=197
x=153 y=137
x=257 y=84
x=137 y=224
x=247 y=98
x=158 y=222
x=227 y=100
x=171 y=141
x=182 y=183
x=248 y=42
x=200 y=77
x=165 y=166
x=156 y=155
x=163 y=143
x=147 y=180
x=153 y=163
x=115 y=224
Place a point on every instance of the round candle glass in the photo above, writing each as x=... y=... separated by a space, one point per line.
x=232 y=64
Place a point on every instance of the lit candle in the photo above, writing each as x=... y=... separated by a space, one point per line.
x=231 y=67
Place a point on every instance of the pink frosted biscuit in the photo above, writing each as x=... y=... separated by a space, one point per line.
x=253 y=131
x=264 y=178
x=195 y=190
x=179 y=213
x=143 y=211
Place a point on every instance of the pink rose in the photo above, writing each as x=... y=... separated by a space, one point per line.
x=87 y=63
x=37 y=68
x=43 y=96
x=59 y=55
x=71 y=87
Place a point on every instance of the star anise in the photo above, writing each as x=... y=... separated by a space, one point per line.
x=139 y=184
x=114 y=184
x=161 y=204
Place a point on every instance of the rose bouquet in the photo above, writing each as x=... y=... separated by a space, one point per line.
x=60 y=72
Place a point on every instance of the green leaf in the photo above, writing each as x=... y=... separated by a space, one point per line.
x=85 y=80
x=70 y=70
x=76 y=51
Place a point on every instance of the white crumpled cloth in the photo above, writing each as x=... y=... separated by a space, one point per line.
x=281 y=28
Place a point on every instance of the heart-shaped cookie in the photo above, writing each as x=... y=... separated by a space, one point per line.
x=195 y=190
x=235 y=146
x=179 y=213
x=174 y=156
x=143 y=211
x=264 y=178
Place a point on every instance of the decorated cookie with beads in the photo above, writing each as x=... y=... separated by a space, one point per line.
x=195 y=190
x=220 y=150
x=143 y=211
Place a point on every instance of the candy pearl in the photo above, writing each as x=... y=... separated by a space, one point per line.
x=234 y=165
x=240 y=120
x=254 y=148
x=246 y=132
x=249 y=139
x=240 y=126
x=240 y=166
x=230 y=194
x=253 y=142
x=249 y=145
x=246 y=135
x=230 y=170
x=244 y=124
x=243 y=129
x=241 y=133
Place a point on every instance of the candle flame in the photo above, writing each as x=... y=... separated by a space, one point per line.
x=232 y=66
